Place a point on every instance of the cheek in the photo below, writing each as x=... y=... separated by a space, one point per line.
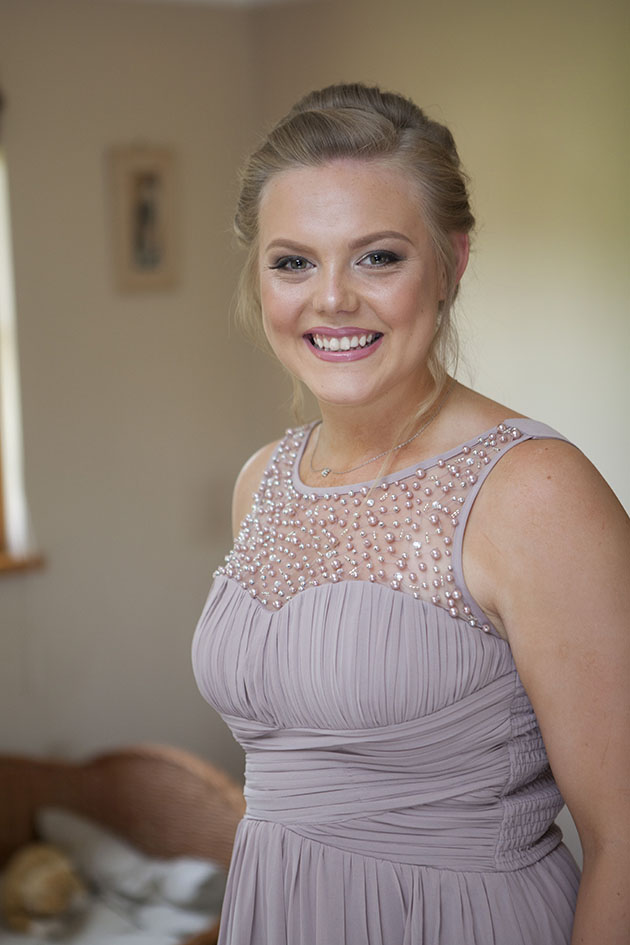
x=280 y=305
x=274 y=339
x=269 y=309
x=411 y=304
x=277 y=322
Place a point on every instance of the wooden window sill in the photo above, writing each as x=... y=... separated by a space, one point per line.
x=9 y=563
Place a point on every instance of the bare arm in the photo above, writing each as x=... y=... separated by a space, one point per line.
x=549 y=556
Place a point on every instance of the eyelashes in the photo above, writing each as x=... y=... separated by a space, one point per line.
x=379 y=258
x=376 y=259
x=292 y=264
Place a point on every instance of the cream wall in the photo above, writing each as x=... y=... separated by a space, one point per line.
x=139 y=411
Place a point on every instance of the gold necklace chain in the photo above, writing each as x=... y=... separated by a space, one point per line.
x=326 y=470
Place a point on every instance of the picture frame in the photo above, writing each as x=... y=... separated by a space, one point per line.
x=144 y=227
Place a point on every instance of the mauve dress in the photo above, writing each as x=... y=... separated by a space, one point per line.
x=398 y=790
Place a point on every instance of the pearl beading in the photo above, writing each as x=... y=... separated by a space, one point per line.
x=398 y=533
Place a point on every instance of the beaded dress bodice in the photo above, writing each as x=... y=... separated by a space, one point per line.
x=396 y=780
x=404 y=532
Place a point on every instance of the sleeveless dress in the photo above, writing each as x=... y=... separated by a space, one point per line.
x=398 y=790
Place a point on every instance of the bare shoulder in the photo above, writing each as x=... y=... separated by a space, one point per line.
x=550 y=478
x=545 y=527
x=247 y=483
x=546 y=495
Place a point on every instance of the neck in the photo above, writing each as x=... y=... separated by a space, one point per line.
x=349 y=436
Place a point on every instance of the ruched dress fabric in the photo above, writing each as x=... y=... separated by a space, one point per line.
x=398 y=790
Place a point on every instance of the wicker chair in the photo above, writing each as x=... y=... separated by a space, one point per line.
x=165 y=801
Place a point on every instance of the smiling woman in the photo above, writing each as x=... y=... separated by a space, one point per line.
x=404 y=652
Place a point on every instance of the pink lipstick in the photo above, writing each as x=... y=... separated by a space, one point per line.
x=342 y=344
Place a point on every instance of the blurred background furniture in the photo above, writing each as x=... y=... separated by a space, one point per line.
x=164 y=801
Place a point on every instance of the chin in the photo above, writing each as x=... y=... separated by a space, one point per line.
x=345 y=398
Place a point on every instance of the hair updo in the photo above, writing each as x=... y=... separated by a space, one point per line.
x=364 y=123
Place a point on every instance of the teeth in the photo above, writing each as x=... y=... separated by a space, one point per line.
x=345 y=343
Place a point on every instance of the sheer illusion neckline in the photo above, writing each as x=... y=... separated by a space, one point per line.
x=390 y=477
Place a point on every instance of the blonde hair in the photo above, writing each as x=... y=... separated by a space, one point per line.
x=364 y=123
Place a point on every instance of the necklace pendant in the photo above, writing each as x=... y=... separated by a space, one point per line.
x=326 y=470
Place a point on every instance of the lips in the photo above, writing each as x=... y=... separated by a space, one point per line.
x=342 y=344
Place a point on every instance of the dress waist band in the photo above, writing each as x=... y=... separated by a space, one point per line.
x=419 y=792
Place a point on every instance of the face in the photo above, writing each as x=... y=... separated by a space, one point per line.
x=349 y=282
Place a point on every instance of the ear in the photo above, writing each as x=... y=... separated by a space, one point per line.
x=461 y=250
x=461 y=245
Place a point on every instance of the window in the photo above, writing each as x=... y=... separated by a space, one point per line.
x=16 y=544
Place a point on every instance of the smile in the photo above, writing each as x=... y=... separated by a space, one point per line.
x=343 y=345
x=345 y=342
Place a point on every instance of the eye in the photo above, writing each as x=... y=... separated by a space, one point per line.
x=292 y=264
x=380 y=258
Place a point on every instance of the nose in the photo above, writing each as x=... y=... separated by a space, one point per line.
x=334 y=292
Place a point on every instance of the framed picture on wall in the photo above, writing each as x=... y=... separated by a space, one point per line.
x=143 y=211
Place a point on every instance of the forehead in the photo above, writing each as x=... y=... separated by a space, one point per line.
x=371 y=194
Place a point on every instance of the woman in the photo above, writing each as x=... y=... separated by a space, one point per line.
x=381 y=672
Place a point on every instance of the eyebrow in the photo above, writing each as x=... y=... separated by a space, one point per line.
x=354 y=244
